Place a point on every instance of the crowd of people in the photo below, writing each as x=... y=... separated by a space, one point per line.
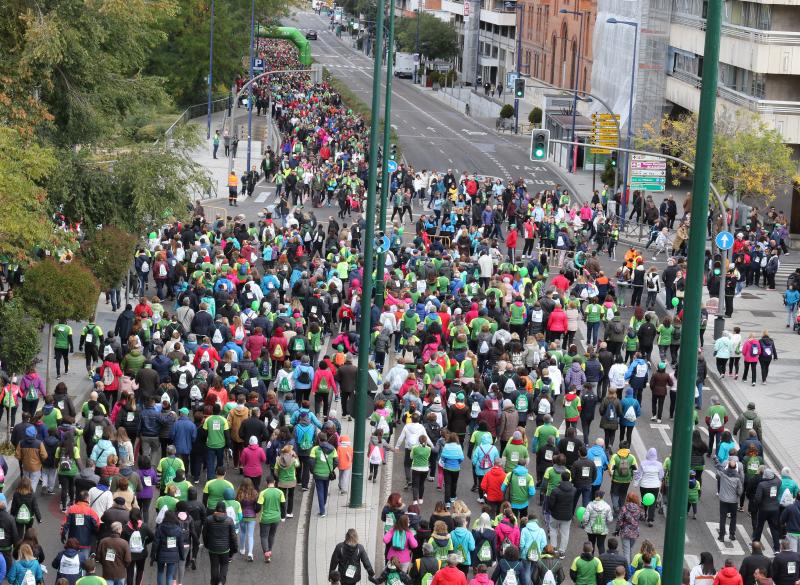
x=237 y=362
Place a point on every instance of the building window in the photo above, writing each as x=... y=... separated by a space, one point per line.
x=742 y=80
x=748 y=14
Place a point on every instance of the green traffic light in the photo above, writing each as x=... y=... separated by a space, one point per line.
x=538 y=152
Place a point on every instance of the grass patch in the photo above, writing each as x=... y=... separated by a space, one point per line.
x=355 y=103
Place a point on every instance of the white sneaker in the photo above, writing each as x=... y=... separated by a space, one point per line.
x=290 y=515
x=652 y=419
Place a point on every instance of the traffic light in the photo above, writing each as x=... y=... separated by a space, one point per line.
x=393 y=152
x=717 y=269
x=540 y=143
x=614 y=158
x=519 y=88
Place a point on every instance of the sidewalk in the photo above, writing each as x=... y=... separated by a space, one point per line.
x=323 y=534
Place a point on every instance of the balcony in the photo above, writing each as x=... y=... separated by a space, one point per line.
x=684 y=89
x=453 y=7
x=770 y=52
x=498 y=17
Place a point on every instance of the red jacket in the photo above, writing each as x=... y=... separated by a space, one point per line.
x=728 y=576
x=117 y=375
x=492 y=482
x=511 y=239
x=557 y=321
x=449 y=576
x=328 y=375
x=505 y=529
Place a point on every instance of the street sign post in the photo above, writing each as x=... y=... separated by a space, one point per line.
x=724 y=240
x=382 y=244
x=258 y=65
x=604 y=133
x=648 y=173
x=391 y=165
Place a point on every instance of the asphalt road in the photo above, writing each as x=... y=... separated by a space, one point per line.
x=432 y=135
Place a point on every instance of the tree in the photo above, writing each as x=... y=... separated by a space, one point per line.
x=608 y=176
x=749 y=158
x=20 y=342
x=535 y=116
x=108 y=253
x=437 y=39
x=23 y=166
x=507 y=111
x=54 y=291
x=182 y=56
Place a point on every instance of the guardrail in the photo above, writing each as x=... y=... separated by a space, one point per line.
x=193 y=111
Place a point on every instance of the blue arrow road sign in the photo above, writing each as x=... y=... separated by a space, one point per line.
x=391 y=165
x=382 y=245
x=724 y=240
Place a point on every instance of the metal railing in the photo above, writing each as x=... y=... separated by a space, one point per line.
x=191 y=112
x=754 y=35
x=740 y=99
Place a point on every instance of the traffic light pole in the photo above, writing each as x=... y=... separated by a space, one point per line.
x=520 y=7
x=674 y=533
x=357 y=482
x=380 y=283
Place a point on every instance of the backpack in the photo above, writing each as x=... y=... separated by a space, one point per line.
x=549 y=578
x=475 y=409
x=630 y=414
x=511 y=576
x=521 y=403
x=599 y=524
x=145 y=267
x=505 y=544
x=485 y=552
x=108 y=376
x=136 y=542
x=31 y=393
x=23 y=514
x=533 y=552
x=611 y=412
x=767 y=350
x=305 y=437
x=716 y=421
x=216 y=338
x=399 y=540
x=624 y=467
x=284 y=385
x=162 y=270
x=786 y=498
x=486 y=460
x=29 y=578
x=544 y=407
x=322 y=387
x=484 y=348
x=277 y=353
x=304 y=378
x=65 y=463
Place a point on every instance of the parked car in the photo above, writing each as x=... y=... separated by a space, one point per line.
x=311 y=35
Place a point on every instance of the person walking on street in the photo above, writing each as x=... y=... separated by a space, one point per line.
x=751 y=350
x=219 y=538
x=731 y=486
x=768 y=353
x=348 y=557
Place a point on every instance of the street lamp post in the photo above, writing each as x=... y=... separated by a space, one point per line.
x=250 y=91
x=629 y=136
x=357 y=482
x=419 y=61
x=210 y=71
x=576 y=75
x=519 y=7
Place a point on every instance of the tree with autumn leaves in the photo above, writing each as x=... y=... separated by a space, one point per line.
x=750 y=158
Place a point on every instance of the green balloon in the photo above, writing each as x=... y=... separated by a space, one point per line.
x=649 y=499
x=579 y=514
x=675 y=301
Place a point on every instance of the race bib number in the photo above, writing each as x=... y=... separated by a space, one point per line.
x=89 y=338
x=791 y=567
x=148 y=481
x=111 y=556
x=130 y=417
x=548 y=455
x=773 y=492
x=749 y=424
x=79 y=520
x=273 y=424
x=641 y=371
x=522 y=481
x=514 y=456
x=60 y=405
x=350 y=572
x=598 y=462
x=570 y=447
x=585 y=471
x=172 y=542
x=215 y=426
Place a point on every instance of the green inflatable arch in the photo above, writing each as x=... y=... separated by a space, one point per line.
x=290 y=34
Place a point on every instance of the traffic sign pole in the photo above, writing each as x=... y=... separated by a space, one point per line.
x=389 y=166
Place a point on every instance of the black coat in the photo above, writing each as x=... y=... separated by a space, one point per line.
x=345 y=555
x=219 y=534
x=560 y=501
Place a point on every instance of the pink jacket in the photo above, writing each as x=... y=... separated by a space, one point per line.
x=251 y=460
x=751 y=350
x=557 y=322
x=403 y=556
x=506 y=529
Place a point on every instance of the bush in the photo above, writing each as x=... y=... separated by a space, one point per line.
x=20 y=342
x=607 y=176
x=56 y=291
x=507 y=111
x=109 y=254
x=535 y=116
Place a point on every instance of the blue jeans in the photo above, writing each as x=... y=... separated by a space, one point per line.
x=116 y=581
x=321 y=487
x=585 y=495
x=698 y=402
x=214 y=457
x=166 y=573
x=248 y=531
x=592 y=333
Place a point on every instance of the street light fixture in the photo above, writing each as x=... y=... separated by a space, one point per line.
x=629 y=137
x=576 y=74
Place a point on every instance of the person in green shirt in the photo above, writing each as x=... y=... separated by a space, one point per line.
x=622 y=467
x=271 y=505
x=89 y=577
x=168 y=500
x=544 y=432
x=716 y=417
x=593 y=313
x=619 y=576
x=647 y=575
x=420 y=466
x=586 y=567
x=218 y=438
x=168 y=467
x=323 y=464
x=62 y=333
x=665 y=338
x=181 y=484
x=91 y=336
x=214 y=490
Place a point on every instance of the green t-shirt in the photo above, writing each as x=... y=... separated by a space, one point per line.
x=646 y=576
x=91 y=580
x=216 y=491
x=182 y=487
x=513 y=454
x=587 y=570
x=270 y=501
x=543 y=433
x=420 y=456
x=62 y=334
x=594 y=313
x=323 y=463
x=168 y=468
x=168 y=501
x=215 y=425
x=519 y=486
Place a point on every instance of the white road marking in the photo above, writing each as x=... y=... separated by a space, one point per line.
x=262 y=197
x=663 y=431
x=728 y=547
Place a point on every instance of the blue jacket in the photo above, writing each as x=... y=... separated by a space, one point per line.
x=531 y=534
x=300 y=385
x=162 y=364
x=597 y=453
x=635 y=380
x=16 y=576
x=463 y=540
x=452 y=455
x=183 y=435
x=626 y=403
x=149 y=422
x=481 y=451
x=311 y=417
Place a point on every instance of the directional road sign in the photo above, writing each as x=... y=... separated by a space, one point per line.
x=382 y=245
x=391 y=165
x=724 y=240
